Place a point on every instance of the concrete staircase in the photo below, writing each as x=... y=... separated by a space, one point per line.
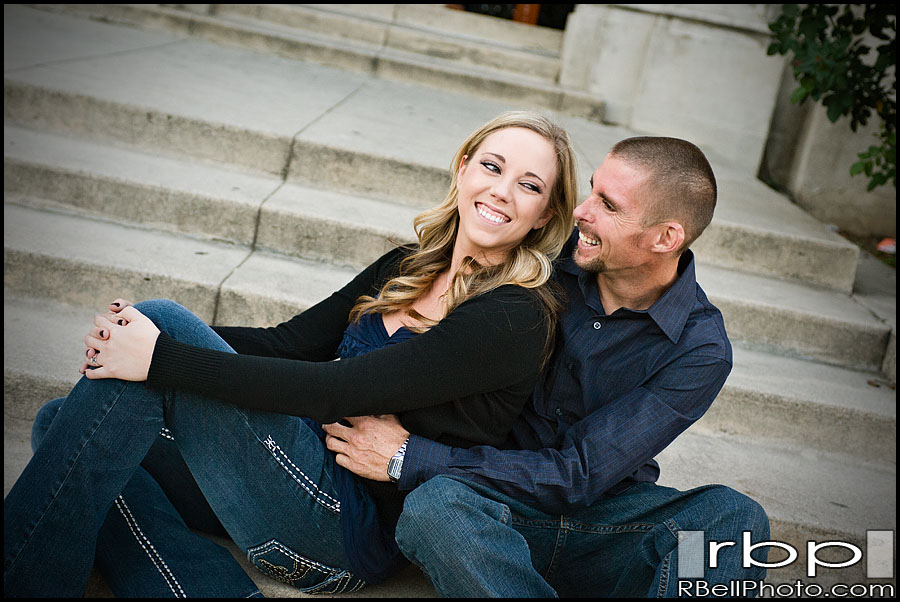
x=245 y=161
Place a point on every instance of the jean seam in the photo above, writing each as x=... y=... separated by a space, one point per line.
x=663 y=586
x=561 y=536
x=275 y=450
x=336 y=577
x=152 y=553
x=73 y=462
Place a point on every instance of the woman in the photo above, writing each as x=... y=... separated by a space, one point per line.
x=449 y=335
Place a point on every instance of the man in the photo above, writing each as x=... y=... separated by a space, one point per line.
x=570 y=506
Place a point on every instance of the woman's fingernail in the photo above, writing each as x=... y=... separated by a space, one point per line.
x=121 y=322
x=102 y=334
x=116 y=304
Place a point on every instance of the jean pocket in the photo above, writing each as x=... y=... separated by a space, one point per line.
x=283 y=564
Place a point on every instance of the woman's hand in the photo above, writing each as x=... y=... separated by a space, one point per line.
x=115 y=308
x=123 y=349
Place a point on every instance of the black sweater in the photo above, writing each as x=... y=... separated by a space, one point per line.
x=463 y=382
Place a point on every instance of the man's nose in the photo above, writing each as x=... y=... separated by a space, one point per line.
x=582 y=212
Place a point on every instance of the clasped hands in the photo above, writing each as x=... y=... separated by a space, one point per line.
x=114 y=351
x=121 y=344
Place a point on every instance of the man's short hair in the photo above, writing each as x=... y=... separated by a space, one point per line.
x=681 y=185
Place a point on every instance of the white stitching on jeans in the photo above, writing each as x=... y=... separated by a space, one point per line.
x=336 y=580
x=166 y=433
x=151 y=552
x=330 y=503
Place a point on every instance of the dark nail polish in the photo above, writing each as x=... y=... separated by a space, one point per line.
x=102 y=334
x=116 y=304
x=121 y=322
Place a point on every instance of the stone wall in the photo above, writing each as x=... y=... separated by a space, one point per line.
x=701 y=72
x=810 y=157
x=698 y=72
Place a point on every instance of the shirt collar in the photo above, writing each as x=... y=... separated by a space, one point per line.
x=670 y=312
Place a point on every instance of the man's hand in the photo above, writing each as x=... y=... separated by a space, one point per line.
x=366 y=446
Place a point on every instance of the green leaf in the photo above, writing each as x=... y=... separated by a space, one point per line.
x=799 y=95
x=834 y=110
x=857 y=168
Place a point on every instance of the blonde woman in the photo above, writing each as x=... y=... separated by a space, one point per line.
x=179 y=426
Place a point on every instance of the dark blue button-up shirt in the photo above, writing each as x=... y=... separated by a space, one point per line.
x=619 y=389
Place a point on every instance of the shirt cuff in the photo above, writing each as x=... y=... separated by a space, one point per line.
x=424 y=459
x=181 y=366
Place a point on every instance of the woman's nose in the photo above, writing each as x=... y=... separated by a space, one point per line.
x=502 y=189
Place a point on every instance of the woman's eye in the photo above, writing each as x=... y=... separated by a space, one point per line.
x=491 y=166
x=532 y=187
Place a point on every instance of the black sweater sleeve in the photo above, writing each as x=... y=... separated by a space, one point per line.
x=315 y=334
x=488 y=343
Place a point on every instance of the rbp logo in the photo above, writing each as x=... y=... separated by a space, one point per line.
x=879 y=554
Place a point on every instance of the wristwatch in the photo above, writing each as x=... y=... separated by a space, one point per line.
x=395 y=464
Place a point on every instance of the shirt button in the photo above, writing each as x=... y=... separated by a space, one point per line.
x=597 y=325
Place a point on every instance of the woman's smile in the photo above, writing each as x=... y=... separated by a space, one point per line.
x=491 y=215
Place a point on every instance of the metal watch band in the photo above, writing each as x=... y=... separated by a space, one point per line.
x=395 y=464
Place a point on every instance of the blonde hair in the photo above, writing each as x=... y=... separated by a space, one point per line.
x=529 y=265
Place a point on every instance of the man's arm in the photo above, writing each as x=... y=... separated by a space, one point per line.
x=597 y=452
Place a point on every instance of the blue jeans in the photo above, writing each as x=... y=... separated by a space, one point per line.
x=474 y=542
x=121 y=474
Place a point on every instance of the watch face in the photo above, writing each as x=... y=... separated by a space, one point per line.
x=394 y=467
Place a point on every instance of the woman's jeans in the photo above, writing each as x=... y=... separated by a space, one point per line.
x=475 y=542
x=122 y=473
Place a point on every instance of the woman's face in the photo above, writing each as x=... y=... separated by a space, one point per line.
x=504 y=188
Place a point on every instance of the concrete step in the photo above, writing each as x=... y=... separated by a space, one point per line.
x=335 y=137
x=171 y=194
x=89 y=261
x=810 y=493
x=789 y=401
x=196 y=197
x=399 y=61
x=431 y=18
x=432 y=31
x=796 y=319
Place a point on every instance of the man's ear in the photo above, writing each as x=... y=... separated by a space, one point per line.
x=669 y=237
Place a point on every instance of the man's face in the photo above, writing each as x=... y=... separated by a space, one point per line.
x=611 y=237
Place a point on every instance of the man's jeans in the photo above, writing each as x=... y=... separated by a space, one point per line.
x=126 y=471
x=474 y=542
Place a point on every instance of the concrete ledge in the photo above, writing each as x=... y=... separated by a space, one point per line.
x=800 y=402
x=393 y=63
x=332 y=227
x=798 y=320
x=90 y=263
x=168 y=193
x=102 y=119
x=268 y=289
